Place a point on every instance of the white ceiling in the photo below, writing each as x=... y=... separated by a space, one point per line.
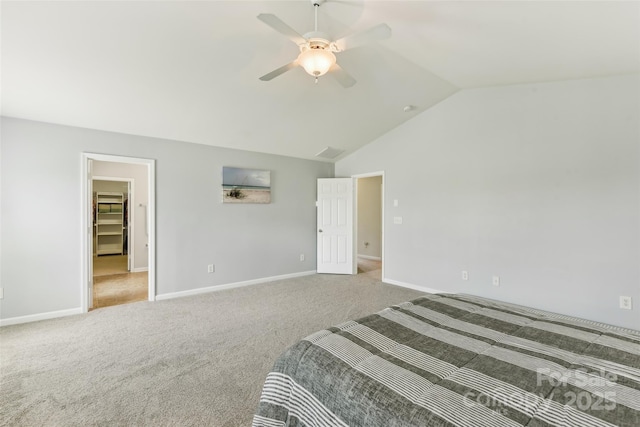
x=189 y=70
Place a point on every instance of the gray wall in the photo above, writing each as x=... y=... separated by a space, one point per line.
x=40 y=242
x=539 y=184
x=370 y=216
x=140 y=196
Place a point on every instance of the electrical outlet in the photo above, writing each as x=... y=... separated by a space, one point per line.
x=496 y=281
x=211 y=268
x=301 y=257
x=625 y=302
x=465 y=275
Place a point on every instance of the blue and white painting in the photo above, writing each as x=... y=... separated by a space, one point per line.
x=241 y=185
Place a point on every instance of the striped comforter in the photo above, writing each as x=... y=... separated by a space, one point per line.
x=457 y=360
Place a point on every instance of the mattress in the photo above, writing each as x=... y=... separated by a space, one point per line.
x=457 y=360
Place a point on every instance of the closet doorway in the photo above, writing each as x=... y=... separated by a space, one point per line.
x=114 y=230
x=370 y=224
x=118 y=250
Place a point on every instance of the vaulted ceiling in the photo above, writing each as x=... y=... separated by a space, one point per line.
x=188 y=70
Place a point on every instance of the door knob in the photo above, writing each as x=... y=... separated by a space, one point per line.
x=320 y=230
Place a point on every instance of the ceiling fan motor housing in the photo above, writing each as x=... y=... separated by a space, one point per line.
x=316 y=40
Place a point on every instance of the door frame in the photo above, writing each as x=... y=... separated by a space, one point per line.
x=355 y=222
x=131 y=212
x=87 y=228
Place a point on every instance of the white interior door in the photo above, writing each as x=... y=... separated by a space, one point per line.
x=336 y=249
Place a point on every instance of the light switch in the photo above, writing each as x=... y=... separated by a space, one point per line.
x=395 y=203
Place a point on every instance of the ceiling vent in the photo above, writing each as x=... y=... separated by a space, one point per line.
x=330 y=153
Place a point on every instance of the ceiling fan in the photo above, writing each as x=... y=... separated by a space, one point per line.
x=317 y=50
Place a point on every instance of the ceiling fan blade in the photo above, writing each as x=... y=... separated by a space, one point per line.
x=373 y=34
x=277 y=24
x=275 y=73
x=341 y=76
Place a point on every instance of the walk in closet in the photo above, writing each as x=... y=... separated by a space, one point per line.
x=109 y=223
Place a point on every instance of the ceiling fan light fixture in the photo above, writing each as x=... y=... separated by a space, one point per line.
x=316 y=61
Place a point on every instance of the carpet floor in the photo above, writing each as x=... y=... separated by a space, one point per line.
x=370 y=268
x=106 y=265
x=193 y=361
x=114 y=285
x=118 y=289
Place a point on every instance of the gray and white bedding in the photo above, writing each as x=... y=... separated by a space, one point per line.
x=457 y=360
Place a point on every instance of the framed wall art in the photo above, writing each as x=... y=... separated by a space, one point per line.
x=240 y=185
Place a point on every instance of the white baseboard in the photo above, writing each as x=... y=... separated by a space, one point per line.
x=208 y=289
x=140 y=269
x=73 y=311
x=412 y=286
x=39 y=316
x=375 y=258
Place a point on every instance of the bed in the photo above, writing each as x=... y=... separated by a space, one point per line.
x=457 y=360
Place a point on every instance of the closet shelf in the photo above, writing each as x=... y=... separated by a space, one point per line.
x=109 y=223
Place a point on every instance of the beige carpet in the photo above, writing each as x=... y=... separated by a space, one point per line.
x=114 y=285
x=106 y=265
x=120 y=289
x=370 y=268
x=194 y=361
